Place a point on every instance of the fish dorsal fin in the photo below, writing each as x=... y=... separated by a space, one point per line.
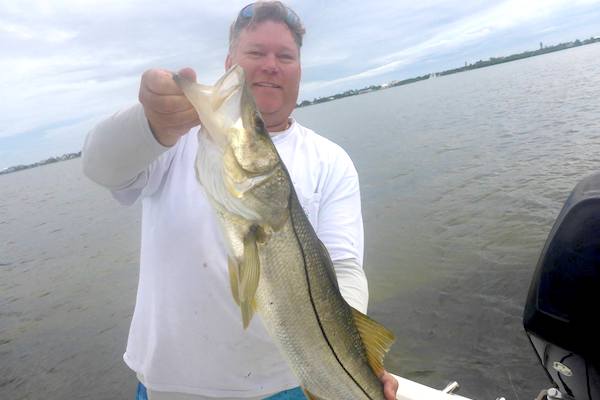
x=376 y=338
x=244 y=277
x=311 y=396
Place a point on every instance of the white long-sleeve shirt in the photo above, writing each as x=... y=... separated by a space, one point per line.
x=186 y=334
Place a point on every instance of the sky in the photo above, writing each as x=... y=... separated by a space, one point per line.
x=68 y=64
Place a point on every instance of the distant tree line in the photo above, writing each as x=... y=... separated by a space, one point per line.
x=478 y=64
x=519 y=56
x=64 y=157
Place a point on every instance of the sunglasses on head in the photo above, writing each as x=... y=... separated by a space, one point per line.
x=291 y=18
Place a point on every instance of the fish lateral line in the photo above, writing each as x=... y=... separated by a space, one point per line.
x=293 y=197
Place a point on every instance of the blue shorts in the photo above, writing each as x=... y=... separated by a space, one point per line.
x=292 y=394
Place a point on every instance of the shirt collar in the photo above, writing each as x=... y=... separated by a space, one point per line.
x=280 y=136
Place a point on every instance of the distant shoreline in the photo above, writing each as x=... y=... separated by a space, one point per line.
x=51 y=160
x=479 y=64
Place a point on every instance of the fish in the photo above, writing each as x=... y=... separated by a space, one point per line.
x=278 y=267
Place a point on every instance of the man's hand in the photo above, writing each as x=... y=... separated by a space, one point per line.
x=390 y=385
x=169 y=112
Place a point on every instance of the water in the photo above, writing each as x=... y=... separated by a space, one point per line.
x=462 y=177
x=68 y=275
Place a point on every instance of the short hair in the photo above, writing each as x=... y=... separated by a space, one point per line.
x=266 y=11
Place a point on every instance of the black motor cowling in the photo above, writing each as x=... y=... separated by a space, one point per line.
x=562 y=314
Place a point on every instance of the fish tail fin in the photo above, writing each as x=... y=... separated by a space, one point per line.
x=376 y=338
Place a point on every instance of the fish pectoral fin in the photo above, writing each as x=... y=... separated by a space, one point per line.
x=234 y=279
x=311 y=396
x=249 y=275
x=376 y=338
x=244 y=276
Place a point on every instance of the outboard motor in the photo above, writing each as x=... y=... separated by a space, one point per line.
x=562 y=314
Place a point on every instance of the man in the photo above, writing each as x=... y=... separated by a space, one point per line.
x=186 y=339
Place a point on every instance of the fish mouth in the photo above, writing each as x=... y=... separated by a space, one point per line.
x=218 y=105
x=267 y=85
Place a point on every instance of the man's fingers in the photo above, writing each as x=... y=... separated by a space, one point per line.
x=188 y=73
x=389 y=391
x=169 y=112
x=390 y=386
x=160 y=81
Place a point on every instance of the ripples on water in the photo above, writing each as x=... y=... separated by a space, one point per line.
x=68 y=273
x=462 y=177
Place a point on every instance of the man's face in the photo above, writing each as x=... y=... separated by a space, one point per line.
x=271 y=61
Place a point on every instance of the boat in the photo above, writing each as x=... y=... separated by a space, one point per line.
x=562 y=307
x=411 y=390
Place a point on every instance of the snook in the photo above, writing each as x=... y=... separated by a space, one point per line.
x=277 y=265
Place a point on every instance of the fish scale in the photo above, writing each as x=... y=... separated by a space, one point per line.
x=295 y=324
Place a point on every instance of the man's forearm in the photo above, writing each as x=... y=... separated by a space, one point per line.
x=119 y=148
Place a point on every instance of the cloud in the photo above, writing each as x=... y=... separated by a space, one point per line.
x=71 y=131
x=468 y=30
x=321 y=57
x=24 y=32
x=72 y=62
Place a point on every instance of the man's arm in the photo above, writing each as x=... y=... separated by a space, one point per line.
x=353 y=283
x=340 y=228
x=118 y=151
